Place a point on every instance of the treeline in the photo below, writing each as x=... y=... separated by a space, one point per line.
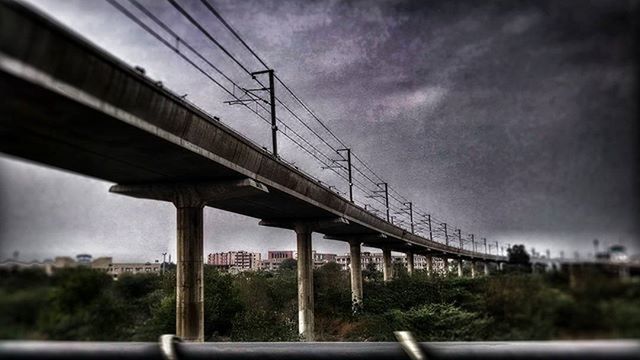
x=83 y=304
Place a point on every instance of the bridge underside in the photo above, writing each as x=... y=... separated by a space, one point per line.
x=44 y=126
x=67 y=104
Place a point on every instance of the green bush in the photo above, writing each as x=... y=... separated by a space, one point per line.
x=83 y=304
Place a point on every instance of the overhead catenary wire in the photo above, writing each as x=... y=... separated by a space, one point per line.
x=296 y=97
x=176 y=50
x=207 y=34
x=366 y=172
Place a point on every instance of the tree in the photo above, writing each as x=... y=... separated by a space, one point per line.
x=399 y=269
x=289 y=264
x=370 y=272
x=518 y=255
x=332 y=290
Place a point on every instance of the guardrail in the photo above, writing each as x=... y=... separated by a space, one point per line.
x=583 y=350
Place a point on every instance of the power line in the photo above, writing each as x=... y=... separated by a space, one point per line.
x=314 y=152
x=226 y=24
x=206 y=33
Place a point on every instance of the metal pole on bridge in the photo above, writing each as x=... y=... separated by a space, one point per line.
x=386 y=197
x=272 y=104
x=274 y=125
x=348 y=151
x=410 y=208
x=473 y=242
x=446 y=235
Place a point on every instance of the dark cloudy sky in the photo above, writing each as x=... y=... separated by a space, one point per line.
x=514 y=120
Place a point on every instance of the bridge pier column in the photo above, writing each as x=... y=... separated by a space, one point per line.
x=445 y=262
x=623 y=271
x=387 y=268
x=305 y=283
x=189 y=200
x=356 y=276
x=304 y=227
x=429 y=265
x=460 y=268
x=473 y=269
x=486 y=268
x=189 y=274
x=410 y=263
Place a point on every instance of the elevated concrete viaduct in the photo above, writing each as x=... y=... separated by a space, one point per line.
x=68 y=104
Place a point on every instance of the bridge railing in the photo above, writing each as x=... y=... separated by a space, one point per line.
x=583 y=350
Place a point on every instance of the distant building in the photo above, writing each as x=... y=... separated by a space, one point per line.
x=115 y=270
x=245 y=260
x=615 y=253
x=275 y=258
x=104 y=263
x=376 y=258
x=618 y=253
x=221 y=259
x=235 y=260
x=15 y=264
x=83 y=259
x=63 y=262
x=280 y=254
x=320 y=259
x=118 y=269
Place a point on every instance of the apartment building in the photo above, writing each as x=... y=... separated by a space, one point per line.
x=235 y=260
x=275 y=258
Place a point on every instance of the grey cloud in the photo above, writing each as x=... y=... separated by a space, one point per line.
x=511 y=119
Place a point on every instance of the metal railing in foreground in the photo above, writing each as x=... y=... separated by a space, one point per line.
x=583 y=350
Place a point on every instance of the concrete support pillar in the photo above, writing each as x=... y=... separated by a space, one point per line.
x=189 y=200
x=460 y=268
x=624 y=272
x=573 y=281
x=356 y=276
x=429 y=265
x=387 y=267
x=410 y=263
x=305 y=283
x=189 y=270
x=486 y=268
x=501 y=266
x=473 y=269
x=445 y=263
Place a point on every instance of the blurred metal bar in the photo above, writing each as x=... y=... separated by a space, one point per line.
x=583 y=350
